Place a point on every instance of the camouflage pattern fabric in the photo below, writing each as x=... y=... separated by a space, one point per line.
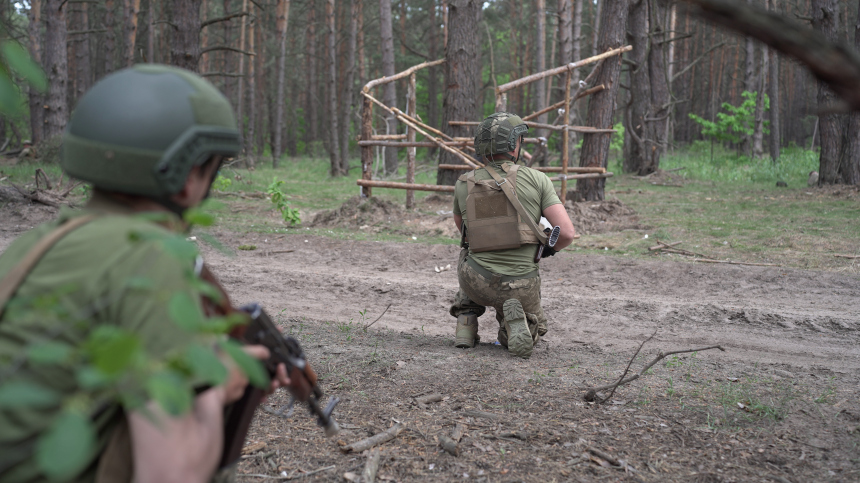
x=477 y=292
x=498 y=133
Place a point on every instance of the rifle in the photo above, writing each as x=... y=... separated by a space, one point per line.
x=552 y=239
x=303 y=382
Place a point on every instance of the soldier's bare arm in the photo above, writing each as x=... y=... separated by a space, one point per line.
x=557 y=216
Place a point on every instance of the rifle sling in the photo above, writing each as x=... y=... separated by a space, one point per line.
x=10 y=283
x=512 y=197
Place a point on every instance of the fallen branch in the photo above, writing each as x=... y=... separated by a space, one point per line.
x=380 y=316
x=591 y=394
x=662 y=245
x=37 y=196
x=425 y=400
x=287 y=478
x=371 y=467
x=374 y=440
x=482 y=414
x=729 y=262
x=852 y=257
x=449 y=445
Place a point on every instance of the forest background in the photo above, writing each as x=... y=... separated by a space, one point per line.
x=293 y=70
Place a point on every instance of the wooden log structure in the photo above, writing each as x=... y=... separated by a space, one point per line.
x=551 y=127
x=404 y=186
x=388 y=137
x=564 y=178
x=413 y=144
x=558 y=104
x=543 y=169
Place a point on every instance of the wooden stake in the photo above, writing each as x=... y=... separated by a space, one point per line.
x=404 y=186
x=375 y=440
x=558 y=70
x=410 y=137
x=371 y=467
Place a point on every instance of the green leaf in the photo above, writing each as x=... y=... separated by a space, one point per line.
x=180 y=248
x=185 y=311
x=196 y=216
x=19 y=60
x=171 y=392
x=112 y=350
x=16 y=394
x=205 y=365
x=252 y=368
x=67 y=447
x=91 y=379
x=11 y=101
x=139 y=282
x=50 y=352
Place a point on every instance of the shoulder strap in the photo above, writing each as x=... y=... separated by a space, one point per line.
x=512 y=197
x=10 y=283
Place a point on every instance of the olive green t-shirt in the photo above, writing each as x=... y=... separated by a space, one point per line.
x=114 y=270
x=536 y=193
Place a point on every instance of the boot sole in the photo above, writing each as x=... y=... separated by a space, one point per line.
x=520 y=342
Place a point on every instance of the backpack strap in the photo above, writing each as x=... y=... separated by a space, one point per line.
x=512 y=197
x=10 y=283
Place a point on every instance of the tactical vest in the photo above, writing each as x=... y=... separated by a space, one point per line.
x=492 y=221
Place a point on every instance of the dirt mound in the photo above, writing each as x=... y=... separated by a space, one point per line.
x=590 y=217
x=357 y=212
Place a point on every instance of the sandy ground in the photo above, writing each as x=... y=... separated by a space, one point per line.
x=779 y=404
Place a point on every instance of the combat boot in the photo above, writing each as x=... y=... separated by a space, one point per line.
x=467 y=331
x=520 y=341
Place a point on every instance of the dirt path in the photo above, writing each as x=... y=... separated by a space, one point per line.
x=759 y=314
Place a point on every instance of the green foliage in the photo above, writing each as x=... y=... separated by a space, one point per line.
x=616 y=142
x=15 y=61
x=732 y=126
x=221 y=183
x=279 y=199
x=16 y=394
x=65 y=448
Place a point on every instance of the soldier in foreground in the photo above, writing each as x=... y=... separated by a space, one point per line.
x=150 y=140
x=497 y=209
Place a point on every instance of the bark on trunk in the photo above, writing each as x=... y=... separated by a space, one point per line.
x=660 y=97
x=433 y=74
x=313 y=89
x=642 y=136
x=565 y=44
x=540 y=86
x=240 y=117
x=37 y=112
x=851 y=164
x=389 y=93
x=348 y=91
x=460 y=97
x=185 y=38
x=130 y=12
x=110 y=38
x=334 y=146
x=773 y=93
x=251 y=139
x=56 y=66
x=150 y=33
x=825 y=19
x=758 y=129
x=595 y=147
x=283 y=13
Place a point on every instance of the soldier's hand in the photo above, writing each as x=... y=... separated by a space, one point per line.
x=236 y=381
x=548 y=252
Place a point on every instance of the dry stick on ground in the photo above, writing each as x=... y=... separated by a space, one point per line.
x=374 y=440
x=852 y=257
x=371 y=467
x=380 y=316
x=591 y=394
x=729 y=262
x=286 y=478
x=662 y=245
x=449 y=445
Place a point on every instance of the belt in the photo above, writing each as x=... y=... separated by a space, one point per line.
x=501 y=278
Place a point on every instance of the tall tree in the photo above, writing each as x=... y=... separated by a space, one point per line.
x=825 y=19
x=389 y=93
x=461 y=70
x=851 y=164
x=110 y=38
x=334 y=146
x=240 y=99
x=540 y=87
x=758 y=113
x=433 y=72
x=129 y=25
x=185 y=38
x=37 y=112
x=80 y=44
x=595 y=147
x=56 y=66
x=312 y=88
x=350 y=86
x=282 y=16
x=640 y=127
x=659 y=80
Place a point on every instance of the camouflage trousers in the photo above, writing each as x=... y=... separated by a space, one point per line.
x=480 y=288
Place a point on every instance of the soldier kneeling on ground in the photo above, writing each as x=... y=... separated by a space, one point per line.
x=502 y=204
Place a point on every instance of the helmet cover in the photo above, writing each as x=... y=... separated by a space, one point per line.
x=498 y=133
x=140 y=130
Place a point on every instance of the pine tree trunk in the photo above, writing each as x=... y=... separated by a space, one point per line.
x=313 y=89
x=641 y=130
x=130 y=12
x=595 y=147
x=825 y=19
x=433 y=74
x=851 y=164
x=251 y=139
x=56 y=66
x=774 y=94
x=37 y=112
x=80 y=43
x=203 y=66
x=389 y=93
x=150 y=33
x=240 y=98
x=110 y=38
x=540 y=86
x=334 y=145
x=758 y=130
x=660 y=97
x=461 y=70
x=349 y=89
x=185 y=38
x=565 y=44
x=283 y=14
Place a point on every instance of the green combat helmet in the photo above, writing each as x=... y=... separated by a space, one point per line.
x=498 y=133
x=140 y=131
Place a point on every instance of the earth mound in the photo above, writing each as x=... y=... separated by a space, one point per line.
x=590 y=217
